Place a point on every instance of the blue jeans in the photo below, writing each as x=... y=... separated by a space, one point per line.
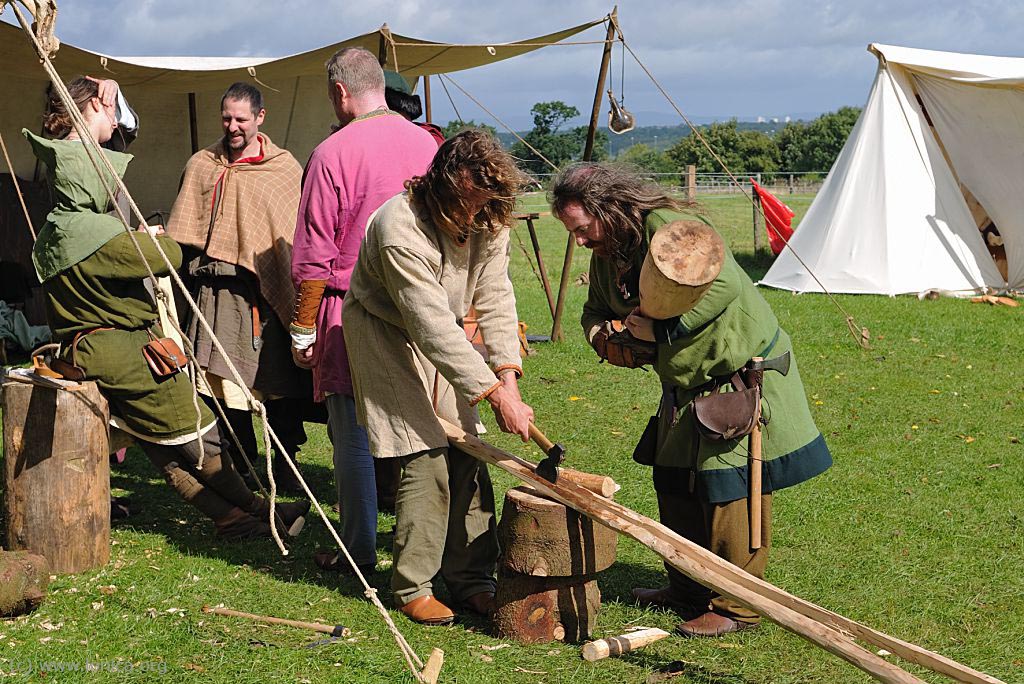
x=353 y=475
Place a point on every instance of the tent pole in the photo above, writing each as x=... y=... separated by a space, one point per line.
x=426 y=99
x=193 y=125
x=382 y=48
x=588 y=153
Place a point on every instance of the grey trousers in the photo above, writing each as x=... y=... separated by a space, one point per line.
x=444 y=524
x=354 y=477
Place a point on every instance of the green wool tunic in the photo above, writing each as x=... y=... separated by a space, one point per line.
x=93 y=278
x=730 y=324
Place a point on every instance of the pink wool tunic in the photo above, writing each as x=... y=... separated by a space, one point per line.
x=348 y=177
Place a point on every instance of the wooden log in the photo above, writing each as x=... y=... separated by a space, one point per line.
x=56 y=474
x=818 y=625
x=24 y=578
x=599 y=484
x=534 y=610
x=616 y=646
x=544 y=538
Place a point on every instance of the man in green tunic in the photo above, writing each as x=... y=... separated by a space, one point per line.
x=99 y=309
x=702 y=485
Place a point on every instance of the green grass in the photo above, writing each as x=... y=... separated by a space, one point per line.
x=916 y=530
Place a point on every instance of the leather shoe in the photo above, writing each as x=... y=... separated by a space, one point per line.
x=712 y=624
x=481 y=603
x=427 y=610
x=666 y=598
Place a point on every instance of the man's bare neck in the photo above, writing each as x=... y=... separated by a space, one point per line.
x=369 y=103
x=250 y=150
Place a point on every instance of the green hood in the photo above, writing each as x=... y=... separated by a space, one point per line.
x=78 y=224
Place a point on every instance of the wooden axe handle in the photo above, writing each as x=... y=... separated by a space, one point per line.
x=333 y=630
x=543 y=442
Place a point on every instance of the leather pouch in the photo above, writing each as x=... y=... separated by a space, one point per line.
x=726 y=415
x=646 y=451
x=164 y=357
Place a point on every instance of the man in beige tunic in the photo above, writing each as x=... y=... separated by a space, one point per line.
x=428 y=255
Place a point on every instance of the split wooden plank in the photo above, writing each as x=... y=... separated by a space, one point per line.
x=822 y=627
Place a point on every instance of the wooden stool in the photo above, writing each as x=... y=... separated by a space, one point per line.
x=550 y=556
x=57 y=474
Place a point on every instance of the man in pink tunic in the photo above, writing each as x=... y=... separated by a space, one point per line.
x=348 y=177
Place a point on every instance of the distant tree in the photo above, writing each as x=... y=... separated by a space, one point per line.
x=557 y=146
x=741 y=150
x=814 y=146
x=645 y=157
x=453 y=127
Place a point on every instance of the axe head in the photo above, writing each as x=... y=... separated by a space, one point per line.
x=779 y=363
x=548 y=468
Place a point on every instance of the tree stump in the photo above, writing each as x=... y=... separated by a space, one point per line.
x=550 y=555
x=56 y=474
x=23 y=581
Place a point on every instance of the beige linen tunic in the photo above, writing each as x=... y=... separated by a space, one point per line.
x=411 y=287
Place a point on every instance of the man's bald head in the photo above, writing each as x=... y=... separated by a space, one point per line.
x=358 y=70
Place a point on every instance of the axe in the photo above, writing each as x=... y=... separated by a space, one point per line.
x=554 y=454
x=754 y=376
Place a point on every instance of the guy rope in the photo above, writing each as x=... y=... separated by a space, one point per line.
x=422 y=673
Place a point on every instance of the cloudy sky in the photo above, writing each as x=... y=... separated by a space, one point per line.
x=717 y=59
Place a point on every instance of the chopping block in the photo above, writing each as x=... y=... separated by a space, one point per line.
x=550 y=556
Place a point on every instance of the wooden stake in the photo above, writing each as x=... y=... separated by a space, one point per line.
x=828 y=630
x=616 y=646
x=432 y=668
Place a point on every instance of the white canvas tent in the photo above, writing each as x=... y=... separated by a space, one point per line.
x=891 y=217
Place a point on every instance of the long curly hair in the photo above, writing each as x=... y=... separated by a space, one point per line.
x=56 y=118
x=469 y=164
x=618 y=197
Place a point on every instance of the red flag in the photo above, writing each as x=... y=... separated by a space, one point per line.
x=778 y=217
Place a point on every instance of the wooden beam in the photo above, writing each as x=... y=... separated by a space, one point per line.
x=822 y=627
x=588 y=152
x=427 y=112
x=193 y=124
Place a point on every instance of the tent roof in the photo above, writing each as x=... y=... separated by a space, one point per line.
x=956 y=66
x=415 y=57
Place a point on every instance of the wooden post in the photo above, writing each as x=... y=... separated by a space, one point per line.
x=758 y=220
x=56 y=474
x=540 y=261
x=428 y=114
x=588 y=151
x=382 y=46
x=193 y=123
x=691 y=182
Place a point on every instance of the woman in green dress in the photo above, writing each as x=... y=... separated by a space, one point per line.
x=99 y=309
x=702 y=485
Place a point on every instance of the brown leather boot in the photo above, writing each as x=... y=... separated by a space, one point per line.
x=291 y=515
x=427 y=610
x=667 y=599
x=712 y=624
x=237 y=525
x=481 y=603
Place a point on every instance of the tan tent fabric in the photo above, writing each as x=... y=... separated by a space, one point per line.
x=298 y=113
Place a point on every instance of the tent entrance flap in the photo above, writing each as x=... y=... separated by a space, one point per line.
x=979 y=128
